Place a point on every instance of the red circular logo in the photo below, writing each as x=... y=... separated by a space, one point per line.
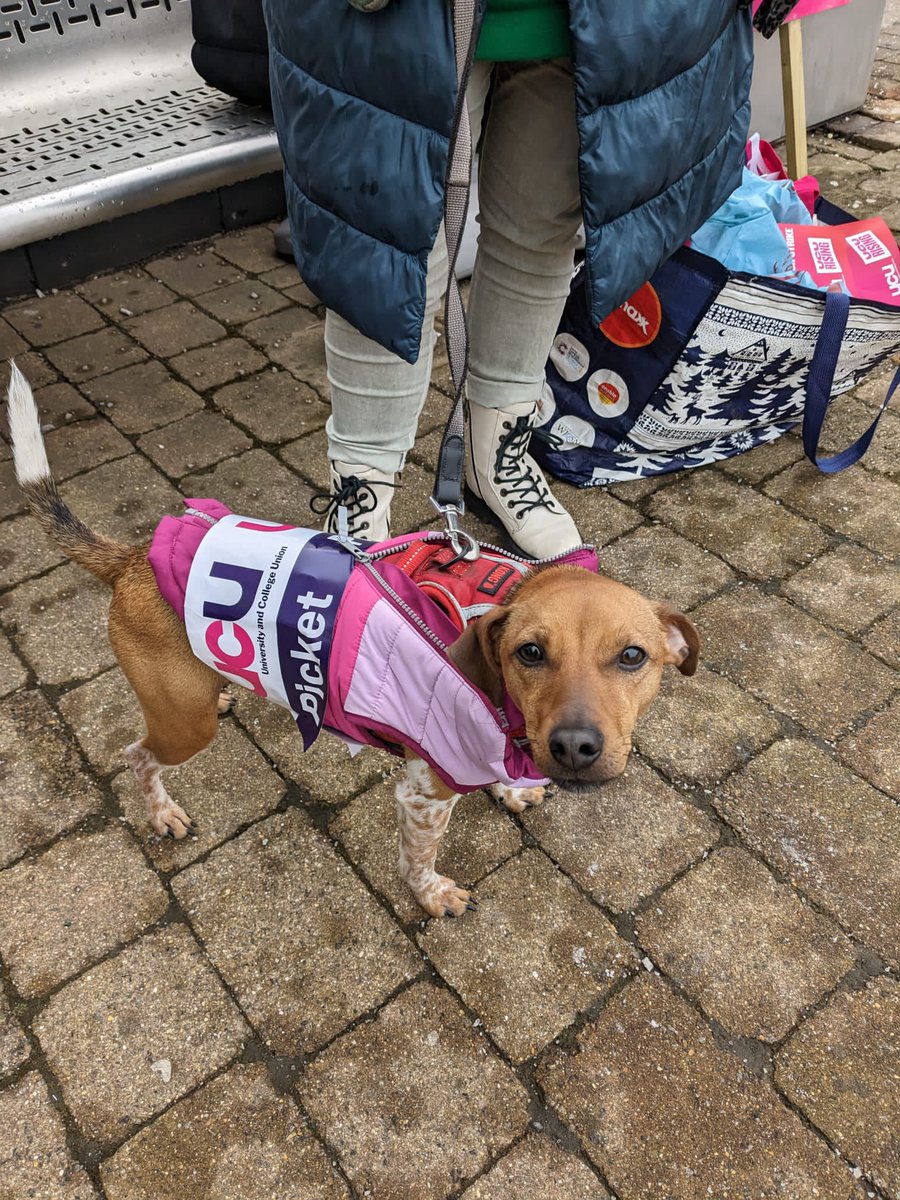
x=608 y=393
x=637 y=323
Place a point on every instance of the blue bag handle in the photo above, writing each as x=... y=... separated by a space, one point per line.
x=818 y=388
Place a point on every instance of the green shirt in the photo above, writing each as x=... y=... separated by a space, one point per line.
x=523 y=30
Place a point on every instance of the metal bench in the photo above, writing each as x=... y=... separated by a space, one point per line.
x=103 y=115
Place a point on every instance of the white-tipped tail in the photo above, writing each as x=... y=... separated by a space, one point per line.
x=29 y=454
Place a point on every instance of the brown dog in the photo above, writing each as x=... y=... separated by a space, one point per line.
x=580 y=655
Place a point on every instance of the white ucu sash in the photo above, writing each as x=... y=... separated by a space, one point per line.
x=259 y=608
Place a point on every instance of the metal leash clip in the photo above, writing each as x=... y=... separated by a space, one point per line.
x=464 y=545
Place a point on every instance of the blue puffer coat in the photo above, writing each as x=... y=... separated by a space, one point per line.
x=364 y=107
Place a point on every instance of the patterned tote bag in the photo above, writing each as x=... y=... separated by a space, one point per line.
x=701 y=364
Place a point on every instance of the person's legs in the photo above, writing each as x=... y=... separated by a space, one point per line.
x=376 y=397
x=530 y=213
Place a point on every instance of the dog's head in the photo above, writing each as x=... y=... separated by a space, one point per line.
x=582 y=657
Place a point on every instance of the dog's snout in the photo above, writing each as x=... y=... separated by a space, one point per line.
x=577 y=747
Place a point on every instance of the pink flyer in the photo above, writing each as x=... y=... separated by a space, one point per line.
x=863 y=255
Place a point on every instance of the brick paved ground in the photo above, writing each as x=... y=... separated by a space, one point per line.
x=685 y=986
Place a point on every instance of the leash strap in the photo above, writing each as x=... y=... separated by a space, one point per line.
x=819 y=385
x=447 y=496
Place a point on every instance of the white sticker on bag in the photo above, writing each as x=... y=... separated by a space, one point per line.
x=546 y=406
x=572 y=432
x=607 y=393
x=570 y=357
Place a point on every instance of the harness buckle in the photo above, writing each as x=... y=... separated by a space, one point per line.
x=464 y=545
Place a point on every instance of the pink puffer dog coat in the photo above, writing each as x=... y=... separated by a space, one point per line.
x=343 y=638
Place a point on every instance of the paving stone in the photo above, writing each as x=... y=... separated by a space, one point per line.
x=414 y=1102
x=833 y=168
x=25 y=550
x=289 y=339
x=44 y=791
x=872 y=390
x=701 y=730
x=11 y=498
x=141 y=397
x=93 y=354
x=125 y=499
x=883 y=639
x=301 y=943
x=302 y=295
x=791 y=661
x=535 y=954
x=862 y=507
x=223 y=789
x=600 y=517
x=541 y=1170
x=11 y=343
x=274 y=406
x=325 y=772
x=193 y=443
x=47 y=319
x=105 y=717
x=59 y=403
x=848 y=419
x=842 y=1068
x=624 y=840
x=73 y=904
x=243 y=301
x=14 y=1049
x=59 y=623
x=831 y=834
x=758 y=464
x=256 y=484
x=285 y=276
x=872 y=750
x=34 y=367
x=34 y=1159
x=131 y=290
x=749 y=531
x=211 y=366
x=250 y=249
x=848 y=588
x=191 y=272
x=664 y=566
x=101 y=1034
x=234 y=1138
x=12 y=671
x=664 y=1113
x=478 y=838
x=82 y=445
x=174 y=329
x=744 y=946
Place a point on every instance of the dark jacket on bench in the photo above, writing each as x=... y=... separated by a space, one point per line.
x=230 y=48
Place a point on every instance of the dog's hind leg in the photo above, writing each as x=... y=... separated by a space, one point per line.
x=424 y=808
x=179 y=695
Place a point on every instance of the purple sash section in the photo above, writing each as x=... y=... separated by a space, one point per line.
x=306 y=626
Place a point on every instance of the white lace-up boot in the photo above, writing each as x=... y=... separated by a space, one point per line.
x=505 y=476
x=365 y=493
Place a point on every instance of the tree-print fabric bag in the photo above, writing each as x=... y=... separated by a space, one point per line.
x=701 y=364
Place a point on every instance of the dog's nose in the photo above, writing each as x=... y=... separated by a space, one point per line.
x=576 y=748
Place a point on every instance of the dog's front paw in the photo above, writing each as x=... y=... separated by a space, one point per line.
x=517 y=799
x=444 y=898
x=226 y=702
x=170 y=820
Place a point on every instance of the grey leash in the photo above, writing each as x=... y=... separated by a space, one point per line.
x=447 y=496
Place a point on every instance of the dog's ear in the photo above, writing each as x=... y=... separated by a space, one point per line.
x=682 y=639
x=475 y=653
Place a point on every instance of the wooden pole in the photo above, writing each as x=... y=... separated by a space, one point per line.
x=794 y=92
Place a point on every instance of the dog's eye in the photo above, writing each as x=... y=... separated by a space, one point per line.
x=631 y=657
x=530 y=654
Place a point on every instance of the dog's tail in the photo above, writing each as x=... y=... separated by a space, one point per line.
x=98 y=554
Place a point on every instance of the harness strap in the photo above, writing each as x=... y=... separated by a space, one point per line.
x=447 y=496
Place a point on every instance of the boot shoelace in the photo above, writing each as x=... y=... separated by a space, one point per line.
x=525 y=486
x=356 y=495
